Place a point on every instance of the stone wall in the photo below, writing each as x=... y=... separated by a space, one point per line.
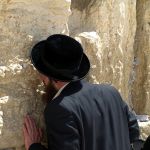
x=141 y=63
x=114 y=33
x=22 y=24
x=107 y=29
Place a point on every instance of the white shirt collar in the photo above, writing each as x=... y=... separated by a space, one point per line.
x=60 y=90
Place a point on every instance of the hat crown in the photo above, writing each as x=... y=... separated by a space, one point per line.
x=62 y=52
x=60 y=57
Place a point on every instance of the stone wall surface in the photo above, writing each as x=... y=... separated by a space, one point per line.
x=107 y=29
x=141 y=66
x=22 y=24
x=144 y=129
x=114 y=34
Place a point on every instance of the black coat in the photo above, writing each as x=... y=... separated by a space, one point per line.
x=89 y=117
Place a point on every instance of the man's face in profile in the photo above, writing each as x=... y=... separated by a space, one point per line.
x=50 y=89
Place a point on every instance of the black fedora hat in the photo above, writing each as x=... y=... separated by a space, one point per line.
x=60 y=57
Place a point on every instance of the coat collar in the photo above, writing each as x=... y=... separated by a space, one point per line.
x=59 y=91
x=71 y=88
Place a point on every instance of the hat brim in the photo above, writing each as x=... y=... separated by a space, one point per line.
x=39 y=65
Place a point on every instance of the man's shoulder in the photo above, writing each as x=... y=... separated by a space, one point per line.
x=105 y=86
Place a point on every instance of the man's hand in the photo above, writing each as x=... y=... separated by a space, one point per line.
x=31 y=133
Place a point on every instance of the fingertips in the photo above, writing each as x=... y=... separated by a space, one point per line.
x=25 y=131
x=40 y=132
x=29 y=120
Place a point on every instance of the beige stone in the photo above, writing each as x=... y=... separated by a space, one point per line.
x=22 y=24
x=144 y=129
x=107 y=29
x=141 y=66
x=116 y=40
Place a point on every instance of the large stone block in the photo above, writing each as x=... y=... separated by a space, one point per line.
x=22 y=24
x=107 y=29
x=144 y=129
x=141 y=66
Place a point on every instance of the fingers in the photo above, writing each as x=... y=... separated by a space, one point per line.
x=25 y=130
x=40 y=133
x=32 y=123
x=27 y=124
x=31 y=133
x=30 y=126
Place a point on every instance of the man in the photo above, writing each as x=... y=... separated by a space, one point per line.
x=81 y=115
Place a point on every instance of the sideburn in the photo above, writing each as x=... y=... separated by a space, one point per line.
x=50 y=92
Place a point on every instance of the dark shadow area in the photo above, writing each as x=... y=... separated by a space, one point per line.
x=80 y=4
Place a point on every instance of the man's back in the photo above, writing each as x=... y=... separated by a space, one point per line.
x=100 y=120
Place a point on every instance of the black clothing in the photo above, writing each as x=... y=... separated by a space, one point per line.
x=89 y=117
x=147 y=144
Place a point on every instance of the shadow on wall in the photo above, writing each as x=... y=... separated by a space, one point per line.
x=81 y=5
x=78 y=21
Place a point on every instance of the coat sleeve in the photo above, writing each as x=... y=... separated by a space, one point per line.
x=37 y=146
x=132 y=124
x=131 y=118
x=62 y=130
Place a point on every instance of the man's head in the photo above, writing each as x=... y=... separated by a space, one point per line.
x=51 y=87
x=61 y=58
x=50 y=81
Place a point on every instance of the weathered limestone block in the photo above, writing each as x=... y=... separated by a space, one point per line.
x=144 y=129
x=106 y=29
x=141 y=66
x=22 y=24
